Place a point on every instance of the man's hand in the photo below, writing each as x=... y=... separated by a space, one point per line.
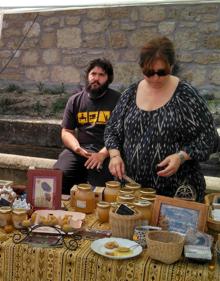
x=95 y=160
x=82 y=152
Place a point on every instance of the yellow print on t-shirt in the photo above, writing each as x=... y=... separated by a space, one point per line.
x=93 y=117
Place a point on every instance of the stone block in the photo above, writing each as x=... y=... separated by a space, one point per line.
x=48 y=40
x=139 y=37
x=51 y=21
x=72 y=20
x=34 y=31
x=69 y=37
x=97 y=14
x=133 y=73
x=214 y=75
x=30 y=57
x=51 y=56
x=65 y=74
x=95 y=26
x=167 y=27
x=39 y=73
x=152 y=14
x=94 y=41
x=117 y=39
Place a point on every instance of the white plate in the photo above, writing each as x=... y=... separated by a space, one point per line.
x=98 y=247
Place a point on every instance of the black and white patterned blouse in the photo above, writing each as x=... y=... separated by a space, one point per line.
x=145 y=138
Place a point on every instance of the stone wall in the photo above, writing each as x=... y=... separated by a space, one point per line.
x=60 y=44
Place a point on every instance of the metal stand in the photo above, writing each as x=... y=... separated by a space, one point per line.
x=68 y=239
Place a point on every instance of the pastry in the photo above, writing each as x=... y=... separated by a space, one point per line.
x=111 y=245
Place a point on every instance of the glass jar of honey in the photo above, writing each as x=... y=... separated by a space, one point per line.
x=126 y=198
x=111 y=191
x=5 y=216
x=145 y=207
x=135 y=187
x=18 y=216
x=84 y=199
x=102 y=211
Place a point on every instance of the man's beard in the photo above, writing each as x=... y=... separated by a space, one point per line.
x=95 y=93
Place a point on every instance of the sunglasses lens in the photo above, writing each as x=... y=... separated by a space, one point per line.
x=161 y=72
x=151 y=72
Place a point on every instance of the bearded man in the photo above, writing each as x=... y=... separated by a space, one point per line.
x=85 y=159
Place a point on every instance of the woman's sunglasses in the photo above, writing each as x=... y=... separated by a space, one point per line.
x=159 y=72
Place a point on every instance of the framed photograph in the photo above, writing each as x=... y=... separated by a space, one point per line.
x=179 y=215
x=44 y=188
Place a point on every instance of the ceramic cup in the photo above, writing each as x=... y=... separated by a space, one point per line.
x=140 y=236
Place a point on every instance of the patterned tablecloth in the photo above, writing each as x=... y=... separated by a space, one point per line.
x=22 y=262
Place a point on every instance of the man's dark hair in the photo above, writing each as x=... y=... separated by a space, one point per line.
x=105 y=65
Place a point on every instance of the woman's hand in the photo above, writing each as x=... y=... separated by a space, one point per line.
x=95 y=160
x=117 y=167
x=169 y=166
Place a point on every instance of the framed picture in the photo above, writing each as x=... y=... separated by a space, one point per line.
x=44 y=188
x=179 y=215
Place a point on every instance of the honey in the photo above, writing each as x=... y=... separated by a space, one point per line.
x=84 y=199
x=102 y=211
x=111 y=191
x=135 y=187
x=145 y=207
x=5 y=216
x=18 y=216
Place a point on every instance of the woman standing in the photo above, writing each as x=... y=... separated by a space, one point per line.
x=161 y=127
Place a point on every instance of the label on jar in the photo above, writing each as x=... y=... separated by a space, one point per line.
x=81 y=204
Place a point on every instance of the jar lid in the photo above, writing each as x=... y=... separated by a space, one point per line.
x=148 y=190
x=19 y=211
x=113 y=184
x=5 y=210
x=103 y=204
x=142 y=203
x=127 y=196
x=84 y=186
x=133 y=186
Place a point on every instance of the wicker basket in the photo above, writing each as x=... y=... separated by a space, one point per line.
x=165 y=246
x=212 y=224
x=123 y=225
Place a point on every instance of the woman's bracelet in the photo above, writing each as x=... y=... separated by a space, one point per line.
x=181 y=157
x=117 y=155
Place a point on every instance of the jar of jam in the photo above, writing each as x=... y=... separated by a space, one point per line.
x=102 y=211
x=84 y=199
x=135 y=187
x=111 y=191
x=147 y=191
x=18 y=216
x=5 y=216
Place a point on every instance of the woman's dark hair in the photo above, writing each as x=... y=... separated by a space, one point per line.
x=157 y=48
x=105 y=65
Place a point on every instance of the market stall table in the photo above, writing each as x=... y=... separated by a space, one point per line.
x=22 y=262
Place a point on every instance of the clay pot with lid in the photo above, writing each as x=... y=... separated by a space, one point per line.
x=111 y=191
x=84 y=198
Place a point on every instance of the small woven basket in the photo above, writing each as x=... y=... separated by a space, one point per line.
x=212 y=224
x=123 y=225
x=165 y=246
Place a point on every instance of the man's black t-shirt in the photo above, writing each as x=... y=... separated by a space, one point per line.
x=89 y=116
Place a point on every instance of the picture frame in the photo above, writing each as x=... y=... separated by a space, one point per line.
x=44 y=188
x=179 y=215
